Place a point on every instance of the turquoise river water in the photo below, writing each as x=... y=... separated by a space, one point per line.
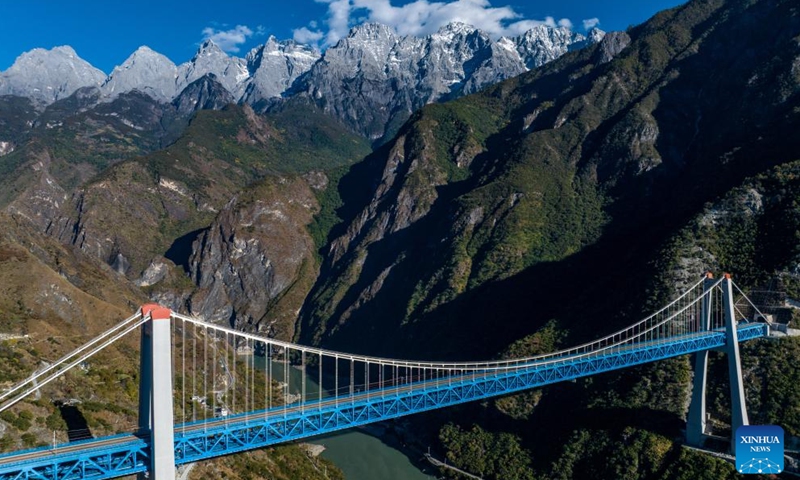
x=360 y=455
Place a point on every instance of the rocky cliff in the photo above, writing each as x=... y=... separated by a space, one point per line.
x=510 y=193
x=373 y=78
x=256 y=262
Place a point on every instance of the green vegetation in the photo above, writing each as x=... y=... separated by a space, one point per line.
x=21 y=422
x=547 y=339
x=634 y=454
x=330 y=201
x=774 y=383
x=278 y=463
x=179 y=189
x=488 y=455
x=547 y=210
x=585 y=194
x=251 y=146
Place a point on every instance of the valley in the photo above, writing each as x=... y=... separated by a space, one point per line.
x=452 y=196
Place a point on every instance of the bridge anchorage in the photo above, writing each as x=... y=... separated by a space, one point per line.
x=207 y=390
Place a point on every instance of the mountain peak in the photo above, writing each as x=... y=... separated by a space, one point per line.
x=543 y=30
x=543 y=43
x=48 y=75
x=372 y=31
x=144 y=50
x=232 y=72
x=457 y=27
x=209 y=47
x=66 y=50
x=595 y=34
x=145 y=70
x=457 y=30
x=41 y=54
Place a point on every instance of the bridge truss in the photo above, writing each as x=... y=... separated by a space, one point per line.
x=229 y=391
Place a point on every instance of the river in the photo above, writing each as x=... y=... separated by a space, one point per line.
x=360 y=454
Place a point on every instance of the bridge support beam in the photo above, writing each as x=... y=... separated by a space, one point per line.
x=156 y=414
x=696 y=418
x=738 y=407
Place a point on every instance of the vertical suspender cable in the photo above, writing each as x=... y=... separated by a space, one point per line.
x=303 y=380
x=235 y=378
x=253 y=375
x=183 y=373
x=205 y=376
x=267 y=378
x=194 y=369
x=246 y=379
x=214 y=361
x=229 y=378
x=336 y=381
x=285 y=380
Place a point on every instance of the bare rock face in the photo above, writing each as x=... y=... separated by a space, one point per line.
x=255 y=263
x=374 y=78
x=146 y=71
x=231 y=72
x=6 y=148
x=155 y=272
x=611 y=45
x=371 y=80
x=42 y=198
x=542 y=44
x=205 y=93
x=48 y=75
x=274 y=67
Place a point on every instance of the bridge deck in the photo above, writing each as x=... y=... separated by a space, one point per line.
x=125 y=454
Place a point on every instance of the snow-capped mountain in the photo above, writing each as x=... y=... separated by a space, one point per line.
x=231 y=72
x=275 y=66
x=542 y=44
x=371 y=79
x=48 y=75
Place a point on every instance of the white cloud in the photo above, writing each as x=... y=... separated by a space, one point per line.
x=590 y=23
x=309 y=37
x=338 y=20
x=228 y=40
x=422 y=17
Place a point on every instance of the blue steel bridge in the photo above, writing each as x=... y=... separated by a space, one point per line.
x=207 y=390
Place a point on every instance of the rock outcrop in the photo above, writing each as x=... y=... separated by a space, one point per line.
x=257 y=258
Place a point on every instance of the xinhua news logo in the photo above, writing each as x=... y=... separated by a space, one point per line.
x=759 y=449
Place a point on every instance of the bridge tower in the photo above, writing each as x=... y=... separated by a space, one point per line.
x=696 y=418
x=156 y=416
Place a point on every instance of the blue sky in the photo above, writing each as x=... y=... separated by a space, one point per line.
x=106 y=32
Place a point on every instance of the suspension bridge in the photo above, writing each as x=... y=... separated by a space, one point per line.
x=206 y=390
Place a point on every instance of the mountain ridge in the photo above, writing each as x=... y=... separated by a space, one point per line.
x=278 y=70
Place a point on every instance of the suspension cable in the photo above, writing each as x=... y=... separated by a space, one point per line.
x=72 y=364
x=66 y=357
x=604 y=344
